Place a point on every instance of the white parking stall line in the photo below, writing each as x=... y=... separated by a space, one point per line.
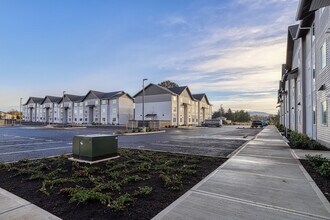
x=29 y=151
x=38 y=143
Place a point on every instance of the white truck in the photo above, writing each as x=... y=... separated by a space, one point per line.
x=212 y=123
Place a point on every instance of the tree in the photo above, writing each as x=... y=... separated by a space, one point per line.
x=168 y=84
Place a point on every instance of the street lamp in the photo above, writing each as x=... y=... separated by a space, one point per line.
x=20 y=110
x=143 y=94
x=63 y=108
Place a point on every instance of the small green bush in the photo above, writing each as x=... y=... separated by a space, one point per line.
x=302 y=141
x=173 y=182
x=316 y=161
x=324 y=169
x=145 y=190
x=82 y=195
x=121 y=202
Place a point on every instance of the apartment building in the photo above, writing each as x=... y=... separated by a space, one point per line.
x=49 y=108
x=108 y=108
x=304 y=89
x=70 y=109
x=32 y=111
x=177 y=106
x=94 y=107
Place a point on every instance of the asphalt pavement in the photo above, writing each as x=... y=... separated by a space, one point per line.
x=29 y=142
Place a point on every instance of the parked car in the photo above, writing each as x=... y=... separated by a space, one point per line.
x=257 y=123
x=212 y=123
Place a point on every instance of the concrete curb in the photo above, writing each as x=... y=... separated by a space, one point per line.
x=22 y=209
x=142 y=133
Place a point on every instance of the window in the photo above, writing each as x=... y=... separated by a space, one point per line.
x=114 y=119
x=174 y=109
x=174 y=119
x=96 y=102
x=75 y=119
x=321 y=12
x=114 y=101
x=86 y=103
x=80 y=119
x=104 y=102
x=103 y=119
x=103 y=110
x=324 y=114
x=174 y=98
x=114 y=110
x=80 y=111
x=313 y=32
x=314 y=115
x=75 y=104
x=81 y=104
x=324 y=55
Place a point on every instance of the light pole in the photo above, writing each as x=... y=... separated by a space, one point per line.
x=63 y=108
x=143 y=94
x=20 y=111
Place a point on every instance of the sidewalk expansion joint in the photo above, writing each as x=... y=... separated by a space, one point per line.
x=261 y=205
x=10 y=210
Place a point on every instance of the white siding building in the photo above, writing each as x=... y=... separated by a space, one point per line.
x=176 y=106
x=304 y=90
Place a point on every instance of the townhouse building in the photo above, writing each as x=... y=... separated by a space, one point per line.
x=49 y=109
x=108 y=108
x=32 y=111
x=176 y=106
x=94 y=107
x=69 y=109
x=304 y=89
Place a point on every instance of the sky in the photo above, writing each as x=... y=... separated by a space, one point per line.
x=230 y=50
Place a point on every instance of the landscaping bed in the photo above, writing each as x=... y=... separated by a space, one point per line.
x=138 y=185
x=318 y=168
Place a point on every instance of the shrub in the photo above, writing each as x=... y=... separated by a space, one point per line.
x=82 y=195
x=121 y=202
x=145 y=190
x=316 y=161
x=324 y=169
x=302 y=141
x=132 y=178
x=120 y=132
x=173 y=182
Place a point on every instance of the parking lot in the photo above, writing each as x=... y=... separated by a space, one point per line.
x=27 y=142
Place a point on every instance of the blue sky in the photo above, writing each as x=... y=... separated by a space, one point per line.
x=232 y=50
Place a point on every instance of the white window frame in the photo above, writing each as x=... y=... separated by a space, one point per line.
x=323 y=57
x=324 y=113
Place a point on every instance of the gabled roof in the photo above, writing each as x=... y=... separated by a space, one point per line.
x=199 y=97
x=35 y=100
x=72 y=98
x=54 y=99
x=306 y=7
x=178 y=90
x=107 y=95
x=152 y=84
x=303 y=9
x=292 y=32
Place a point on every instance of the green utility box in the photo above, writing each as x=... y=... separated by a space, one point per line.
x=94 y=147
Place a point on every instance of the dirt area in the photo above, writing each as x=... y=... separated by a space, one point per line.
x=323 y=182
x=138 y=185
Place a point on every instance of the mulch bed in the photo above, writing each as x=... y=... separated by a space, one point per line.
x=321 y=181
x=138 y=185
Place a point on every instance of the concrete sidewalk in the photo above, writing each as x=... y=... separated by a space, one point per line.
x=261 y=181
x=15 y=208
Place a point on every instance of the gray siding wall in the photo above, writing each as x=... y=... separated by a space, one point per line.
x=126 y=109
x=322 y=24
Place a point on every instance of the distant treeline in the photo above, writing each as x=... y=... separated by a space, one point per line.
x=236 y=116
